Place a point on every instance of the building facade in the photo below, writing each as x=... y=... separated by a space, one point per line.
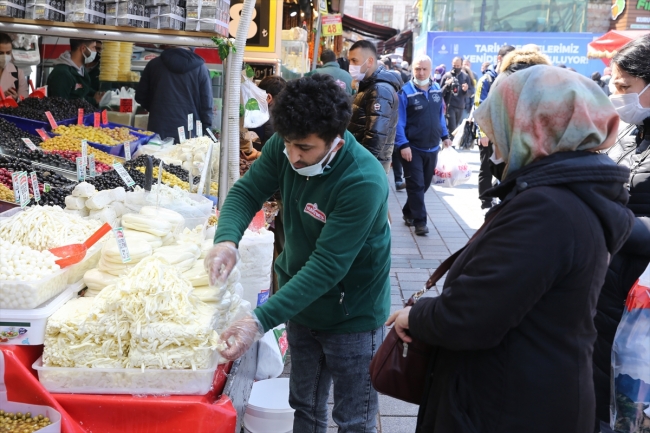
x=393 y=13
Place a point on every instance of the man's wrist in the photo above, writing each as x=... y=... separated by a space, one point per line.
x=444 y=137
x=404 y=146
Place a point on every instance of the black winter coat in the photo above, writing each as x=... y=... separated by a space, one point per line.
x=513 y=328
x=172 y=86
x=460 y=99
x=632 y=150
x=374 y=113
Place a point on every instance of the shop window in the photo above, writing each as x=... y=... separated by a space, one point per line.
x=383 y=15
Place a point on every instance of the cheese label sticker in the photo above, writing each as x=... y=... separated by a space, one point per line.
x=119 y=168
x=81 y=169
x=51 y=120
x=190 y=122
x=43 y=134
x=14 y=181
x=127 y=151
x=96 y=120
x=84 y=151
x=121 y=245
x=47 y=187
x=181 y=134
x=199 y=128
x=80 y=117
x=211 y=135
x=92 y=170
x=37 y=192
x=24 y=189
x=29 y=143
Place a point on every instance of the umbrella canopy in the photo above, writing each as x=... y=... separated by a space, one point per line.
x=605 y=47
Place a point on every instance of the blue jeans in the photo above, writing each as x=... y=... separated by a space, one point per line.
x=317 y=359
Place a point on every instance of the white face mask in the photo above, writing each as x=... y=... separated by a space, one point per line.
x=89 y=58
x=421 y=82
x=4 y=59
x=436 y=76
x=318 y=168
x=628 y=107
x=356 y=73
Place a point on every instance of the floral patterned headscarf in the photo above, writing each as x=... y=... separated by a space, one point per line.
x=544 y=110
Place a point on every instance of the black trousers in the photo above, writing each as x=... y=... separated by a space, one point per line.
x=398 y=171
x=485 y=172
x=419 y=175
x=454 y=117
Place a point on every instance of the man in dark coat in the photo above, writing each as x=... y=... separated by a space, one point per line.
x=172 y=86
x=456 y=85
x=374 y=111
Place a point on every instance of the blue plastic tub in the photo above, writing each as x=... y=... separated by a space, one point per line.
x=30 y=125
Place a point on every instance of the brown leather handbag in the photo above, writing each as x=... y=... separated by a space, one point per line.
x=399 y=369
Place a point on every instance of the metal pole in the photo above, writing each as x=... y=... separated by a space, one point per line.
x=317 y=41
x=223 y=148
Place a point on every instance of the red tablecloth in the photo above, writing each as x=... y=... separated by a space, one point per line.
x=83 y=413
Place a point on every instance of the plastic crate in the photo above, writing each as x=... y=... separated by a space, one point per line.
x=31 y=125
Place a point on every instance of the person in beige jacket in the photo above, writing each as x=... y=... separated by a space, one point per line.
x=12 y=80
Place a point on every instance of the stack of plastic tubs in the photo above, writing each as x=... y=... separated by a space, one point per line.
x=124 y=61
x=109 y=63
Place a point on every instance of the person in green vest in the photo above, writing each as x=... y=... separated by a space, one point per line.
x=334 y=270
x=331 y=67
x=69 y=78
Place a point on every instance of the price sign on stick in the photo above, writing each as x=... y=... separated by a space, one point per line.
x=81 y=169
x=96 y=120
x=30 y=145
x=199 y=128
x=104 y=117
x=190 y=122
x=121 y=245
x=209 y=131
x=16 y=186
x=80 y=117
x=37 y=192
x=92 y=170
x=84 y=151
x=181 y=134
x=47 y=187
x=128 y=180
x=127 y=150
x=51 y=120
x=43 y=134
x=24 y=189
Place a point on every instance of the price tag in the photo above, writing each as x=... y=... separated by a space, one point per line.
x=96 y=124
x=24 y=189
x=81 y=169
x=160 y=172
x=80 y=117
x=181 y=134
x=104 y=117
x=209 y=131
x=30 y=145
x=51 y=119
x=92 y=171
x=37 y=192
x=190 y=122
x=43 y=134
x=126 y=105
x=47 y=187
x=332 y=25
x=121 y=245
x=14 y=182
x=127 y=151
x=84 y=151
x=199 y=128
x=119 y=168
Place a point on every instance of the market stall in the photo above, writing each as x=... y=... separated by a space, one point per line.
x=605 y=47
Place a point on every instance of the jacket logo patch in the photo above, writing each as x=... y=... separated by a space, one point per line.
x=436 y=97
x=377 y=106
x=312 y=210
x=341 y=84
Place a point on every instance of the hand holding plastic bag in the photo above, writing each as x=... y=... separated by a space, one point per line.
x=240 y=336
x=220 y=261
x=451 y=170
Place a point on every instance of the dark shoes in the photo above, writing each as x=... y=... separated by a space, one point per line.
x=421 y=230
x=400 y=186
x=408 y=221
x=486 y=204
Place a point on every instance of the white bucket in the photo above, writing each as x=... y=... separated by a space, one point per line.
x=268 y=409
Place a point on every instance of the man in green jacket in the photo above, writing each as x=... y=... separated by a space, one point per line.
x=331 y=67
x=69 y=78
x=334 y=271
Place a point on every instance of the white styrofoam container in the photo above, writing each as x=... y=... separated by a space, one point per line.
x=10 y=406
x=268 y=409
x=133 y=381
x=27 y=327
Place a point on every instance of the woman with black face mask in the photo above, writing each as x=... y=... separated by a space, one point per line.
x=630 y=94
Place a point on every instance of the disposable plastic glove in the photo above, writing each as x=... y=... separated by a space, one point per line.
x=240 y=336
x=220 y=261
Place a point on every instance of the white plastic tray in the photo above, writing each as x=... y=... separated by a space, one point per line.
x=27 y=327
x=133 y=381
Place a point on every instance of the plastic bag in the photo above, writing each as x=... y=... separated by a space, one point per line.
x=631 y=361
x=272 y=353
x=451 y=169
x=256 y=110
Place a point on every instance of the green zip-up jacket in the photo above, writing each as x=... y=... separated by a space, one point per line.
x=65 y=82
x=334 y=69
x=334 y=270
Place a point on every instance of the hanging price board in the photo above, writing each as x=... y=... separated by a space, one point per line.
x=24 y=189
x=92 y=171
x=80 y=117
x=30 y=145
x=51 y=120
x=128 y=180
x=96 y=123
x=332 y=25
x=181 y=134
x=121 y=245
x=37 y=192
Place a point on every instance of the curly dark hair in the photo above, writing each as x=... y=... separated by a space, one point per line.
x=311 y=105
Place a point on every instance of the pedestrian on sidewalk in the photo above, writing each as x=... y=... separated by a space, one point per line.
x=455 y=90
x=334 y=271
x=513 y=328
x=374 y=111
x=420 y=129
x=331 y=67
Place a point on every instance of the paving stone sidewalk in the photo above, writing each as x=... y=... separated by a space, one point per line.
x=454 y=216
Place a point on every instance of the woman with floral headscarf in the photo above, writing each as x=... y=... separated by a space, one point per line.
x=513 y=329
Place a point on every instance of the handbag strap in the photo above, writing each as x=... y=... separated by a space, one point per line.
x=449 y=261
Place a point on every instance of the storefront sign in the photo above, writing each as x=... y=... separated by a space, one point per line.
x=262 y=31
x=617 y=8
x=262 y=70
x=332 y=25
x=643 y=4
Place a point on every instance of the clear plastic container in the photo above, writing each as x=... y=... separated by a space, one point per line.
x=27 y=327
x=133 y=381
x=167 y=17
x=53 y=10
x=35 y=410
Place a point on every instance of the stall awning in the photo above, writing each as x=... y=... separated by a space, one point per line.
x=606 y=46
x=397 y=41
x=368 y=29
